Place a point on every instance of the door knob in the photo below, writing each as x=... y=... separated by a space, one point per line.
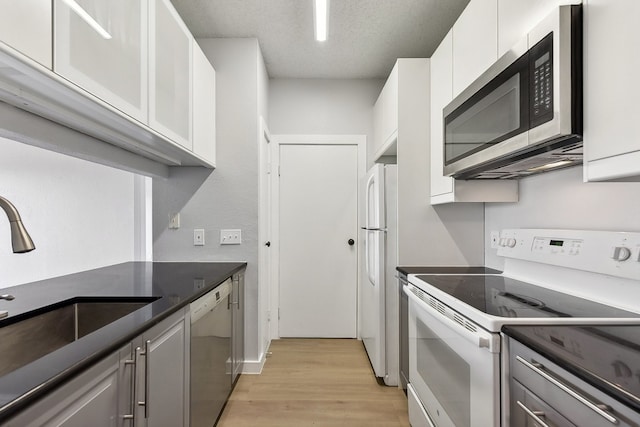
x=351 y=242
x=268 y=244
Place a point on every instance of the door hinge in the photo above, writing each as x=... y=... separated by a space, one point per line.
x=278 y=170
x=278 y=313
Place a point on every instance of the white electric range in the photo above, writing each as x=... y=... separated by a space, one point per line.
x=549 y=278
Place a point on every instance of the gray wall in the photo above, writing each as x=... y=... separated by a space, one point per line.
x=323 y=106
x=228 y=196
x=79 y=214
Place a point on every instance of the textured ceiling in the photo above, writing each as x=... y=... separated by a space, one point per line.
x=365 y=36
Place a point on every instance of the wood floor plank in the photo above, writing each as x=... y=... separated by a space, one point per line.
x=315 y=382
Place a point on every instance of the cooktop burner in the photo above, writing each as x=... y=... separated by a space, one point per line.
x=505 y=297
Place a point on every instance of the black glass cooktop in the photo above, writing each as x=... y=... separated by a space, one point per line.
x=505 y=297
x=455 y=269
x=579 y=349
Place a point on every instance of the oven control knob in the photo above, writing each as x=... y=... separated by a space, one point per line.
x=620 y=253
x=511 y=242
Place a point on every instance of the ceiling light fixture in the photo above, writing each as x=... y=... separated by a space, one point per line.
x=321 y=15
x=87 y=18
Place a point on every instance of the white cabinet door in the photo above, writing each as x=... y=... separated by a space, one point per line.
x=204 y=106
x=25 y=25
x=101 y=45
x=441 y=95
x=517 y=17
x=475 y=41
x=166 y=375
x=170 y=51
x=611 y=86
x=386 y=116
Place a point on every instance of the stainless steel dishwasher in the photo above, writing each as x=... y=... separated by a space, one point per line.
x=210 y=355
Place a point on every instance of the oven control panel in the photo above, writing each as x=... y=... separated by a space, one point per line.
x=605 y=252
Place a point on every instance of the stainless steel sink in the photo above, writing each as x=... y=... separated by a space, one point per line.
x=36 y=336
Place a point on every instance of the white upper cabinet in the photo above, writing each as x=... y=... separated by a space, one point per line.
x=475 y=39
x=385 y=116
x=611 y=88
x=170 y=88
x=204 y=106
x=25 y=25
x=445 y=189
x=102 y=47
x=517 y=17
x=441 y=95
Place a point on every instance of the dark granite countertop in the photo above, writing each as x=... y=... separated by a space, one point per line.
x=175 y=284
x=446 y=270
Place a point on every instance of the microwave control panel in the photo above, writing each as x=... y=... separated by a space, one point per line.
x=541 y=84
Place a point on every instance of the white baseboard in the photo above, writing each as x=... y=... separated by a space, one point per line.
x=254 y=366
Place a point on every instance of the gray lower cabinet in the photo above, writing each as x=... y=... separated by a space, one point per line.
x=237 y=325
x=162 y=364
x=145 y=383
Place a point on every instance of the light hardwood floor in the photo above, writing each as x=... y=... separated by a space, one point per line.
x=315 y=382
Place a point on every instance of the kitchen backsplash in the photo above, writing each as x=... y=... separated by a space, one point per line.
x=79 y=214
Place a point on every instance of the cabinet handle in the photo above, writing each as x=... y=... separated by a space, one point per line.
x=534 y=415
x=236 y=282
x=132 y=415
x=600 y=409
x=146 y=354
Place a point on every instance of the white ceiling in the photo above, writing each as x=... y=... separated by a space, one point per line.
x=365 y=36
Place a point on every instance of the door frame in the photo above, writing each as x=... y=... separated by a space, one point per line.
x=276 y=141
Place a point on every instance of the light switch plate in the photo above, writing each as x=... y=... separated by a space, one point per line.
x=198 y=237
x=174 y=221
x=230 y=237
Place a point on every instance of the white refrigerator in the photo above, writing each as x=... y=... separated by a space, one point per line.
x=378 y=300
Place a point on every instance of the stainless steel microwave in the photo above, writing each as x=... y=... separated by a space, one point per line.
x=524 y=114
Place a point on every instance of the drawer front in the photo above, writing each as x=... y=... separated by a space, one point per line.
x=567 y=394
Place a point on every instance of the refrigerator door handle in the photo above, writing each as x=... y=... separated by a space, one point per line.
x=368 y=252
x=370 y=183
x=374 y=229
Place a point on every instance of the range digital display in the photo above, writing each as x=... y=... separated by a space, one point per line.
x=556 y=242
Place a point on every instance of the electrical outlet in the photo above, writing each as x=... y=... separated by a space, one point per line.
x=495 y=239
x=198 y=237
x=230 y=237
x=174 y=221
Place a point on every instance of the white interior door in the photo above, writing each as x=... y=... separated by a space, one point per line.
x=318 y=216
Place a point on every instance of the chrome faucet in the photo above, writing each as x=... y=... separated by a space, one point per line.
x=20 y=239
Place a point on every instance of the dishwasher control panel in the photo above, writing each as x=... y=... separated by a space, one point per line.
x=208 y=301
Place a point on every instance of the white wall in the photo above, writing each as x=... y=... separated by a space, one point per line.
x=323 y=106
x=80 y=215
x=228 y=196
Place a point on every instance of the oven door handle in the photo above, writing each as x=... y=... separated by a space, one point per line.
x=475 y=334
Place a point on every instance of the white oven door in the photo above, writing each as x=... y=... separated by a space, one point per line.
x=453 y=369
